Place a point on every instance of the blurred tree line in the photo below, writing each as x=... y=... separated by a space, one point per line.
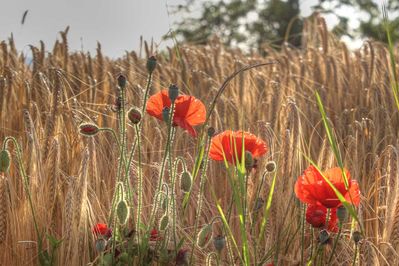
x=255 y=22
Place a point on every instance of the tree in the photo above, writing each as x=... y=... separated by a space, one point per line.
x=255 y=22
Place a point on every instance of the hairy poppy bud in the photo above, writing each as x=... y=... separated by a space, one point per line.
x=270 y=166
x=163 y=224
x=122 y=211
x=151 y=64
x=356 y=236
x=219 y=242
x=88 y=129
x=5 y=161
x=204 y=236
x=249 y=160
x=324 y=236
x=259 y=204
x=101 y=243
x=211 y=132
x=173 y=92
x=121 y=81
x=165 y=114
x=342 y=214
x=186 y=181
x=134 y=115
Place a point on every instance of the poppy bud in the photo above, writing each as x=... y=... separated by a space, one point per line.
x=219 y=242
x=249 y=160
x=165 y=114
x=101 y=243
x=324 y=236
x=134 y=115
x=151 y=64
x=259 y=204
x=173 y=92
x=186 y=181
x=122 y=211
x=121 y=81
x=356 y=236
x=204 y=236
x=164 y=222
x=270 y=166
x=5 y=161
x=211 y=132
x=342 y=214
x=88 y=129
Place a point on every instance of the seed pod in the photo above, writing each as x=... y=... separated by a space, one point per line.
x=186 y=181
x=163 y=224
x=5 y=161
x=121 y=81
x=219 y=242
x=324 y=237
x=356 y=236
x=165 y=114
x=88 y=129
x=151 y=64
x=122 y=211
x=204 y=236
x=173 y=92
x=211 y=131
x=270 y=166
x=249 y=160
x=101 y=243
x=342 y=214
x=134 y=115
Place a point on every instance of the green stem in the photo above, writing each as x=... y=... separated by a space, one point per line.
x=335 y=243
x=140 y=185
x=355 y=257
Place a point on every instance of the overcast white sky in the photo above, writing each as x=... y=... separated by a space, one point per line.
x=116 y=24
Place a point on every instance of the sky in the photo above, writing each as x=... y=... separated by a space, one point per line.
x=116 y=24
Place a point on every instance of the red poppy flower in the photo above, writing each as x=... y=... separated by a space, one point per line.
x=229 y=141
x=102 y=229
x=311 y=188
x=154 y=235
x=316 y=216
x=189 y=111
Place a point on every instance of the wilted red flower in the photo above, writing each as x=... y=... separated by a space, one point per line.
x=311 y=188
x=189 y=111
x=102 y=229
x=229 y=141
x=154 y=235
x=316 y=216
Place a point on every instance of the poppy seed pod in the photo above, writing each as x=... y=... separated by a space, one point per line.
x=204 y=236
x=342 y=214
x=324 y=237
x=356 y=236
x=163 y=224
x=185 y=181
x=211 y=132
x=249 y=160
x=122 y=212
x=270 y=166
x=5 y=161
x=219 y=242
x=121 y=81
x=101 y=243
x=88 y=129
x=165 y=114
x=173 y=92
x=134 y=115
x=151 y=64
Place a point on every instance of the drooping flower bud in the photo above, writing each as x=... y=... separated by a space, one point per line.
x=219 y=242
x=88 y=129
x=121 y=81
x=5 y=161
x=356 y=236
x=163 y=224
x=270 y=166
x=101 y=243
x=186 y=181
x=134 y=115
x=151 y=64
x=249 y=160
x=122 y=211
x=173 y=92
x=165 y=114
x=211 y=132
x=324 y=237
x=342 y=214
x=204 y=236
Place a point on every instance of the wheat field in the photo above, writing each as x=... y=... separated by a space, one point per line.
x=72 y=178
